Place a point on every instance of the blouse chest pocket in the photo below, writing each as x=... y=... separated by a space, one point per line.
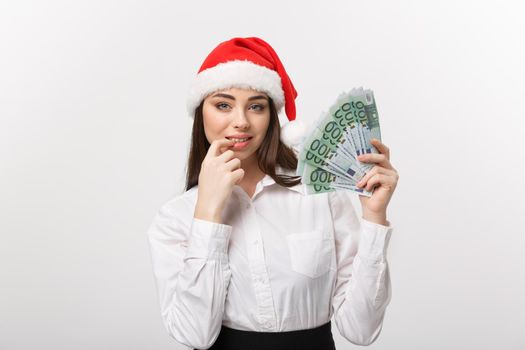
x=310 y=252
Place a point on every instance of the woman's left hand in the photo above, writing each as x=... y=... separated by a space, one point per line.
x=384 y=177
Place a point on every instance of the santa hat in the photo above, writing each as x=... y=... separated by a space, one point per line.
x=248 y=63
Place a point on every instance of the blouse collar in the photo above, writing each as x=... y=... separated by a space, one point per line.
x=267 y=180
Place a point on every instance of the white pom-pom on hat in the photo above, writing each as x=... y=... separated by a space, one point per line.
x=293 y=133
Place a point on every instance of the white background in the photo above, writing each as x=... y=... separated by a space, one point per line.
x=94 y=138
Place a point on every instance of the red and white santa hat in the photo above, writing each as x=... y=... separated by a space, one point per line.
x=248 y=63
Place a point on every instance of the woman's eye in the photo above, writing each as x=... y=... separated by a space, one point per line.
x=220 y=105
x=258 y=107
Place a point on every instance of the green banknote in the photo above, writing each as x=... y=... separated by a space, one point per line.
x=328 y=154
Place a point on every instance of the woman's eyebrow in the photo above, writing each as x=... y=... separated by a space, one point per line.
x=233 y=98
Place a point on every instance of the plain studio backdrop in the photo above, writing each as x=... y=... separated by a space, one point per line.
x=94 y=138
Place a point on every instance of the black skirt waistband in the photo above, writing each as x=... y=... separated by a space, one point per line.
x=304 y=339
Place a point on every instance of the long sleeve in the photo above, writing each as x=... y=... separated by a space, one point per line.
x=192 y=273
x=363 y=288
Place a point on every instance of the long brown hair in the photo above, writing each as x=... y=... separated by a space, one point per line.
x=271 y=152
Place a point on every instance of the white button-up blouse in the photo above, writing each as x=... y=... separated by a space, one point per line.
x=280 y=261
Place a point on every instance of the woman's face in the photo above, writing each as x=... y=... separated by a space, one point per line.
x=237 y=114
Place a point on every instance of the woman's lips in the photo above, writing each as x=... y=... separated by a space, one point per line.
x=241 y=145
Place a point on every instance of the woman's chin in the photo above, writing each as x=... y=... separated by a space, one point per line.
x=243 y=155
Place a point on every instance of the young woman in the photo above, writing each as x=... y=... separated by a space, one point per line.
x=243 y=259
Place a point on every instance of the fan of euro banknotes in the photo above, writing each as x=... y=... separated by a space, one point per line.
x=328 y=154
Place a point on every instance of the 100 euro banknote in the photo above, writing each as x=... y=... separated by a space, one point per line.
x=328 y=154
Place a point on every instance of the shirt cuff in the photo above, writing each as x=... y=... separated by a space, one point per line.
x=374 y=240
x=208 y=239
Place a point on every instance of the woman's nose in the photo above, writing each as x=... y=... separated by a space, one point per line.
x=240 y=120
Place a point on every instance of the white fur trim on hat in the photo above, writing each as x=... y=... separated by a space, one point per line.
x=242 y=74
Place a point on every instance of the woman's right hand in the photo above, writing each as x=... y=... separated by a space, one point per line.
x=220 y=171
